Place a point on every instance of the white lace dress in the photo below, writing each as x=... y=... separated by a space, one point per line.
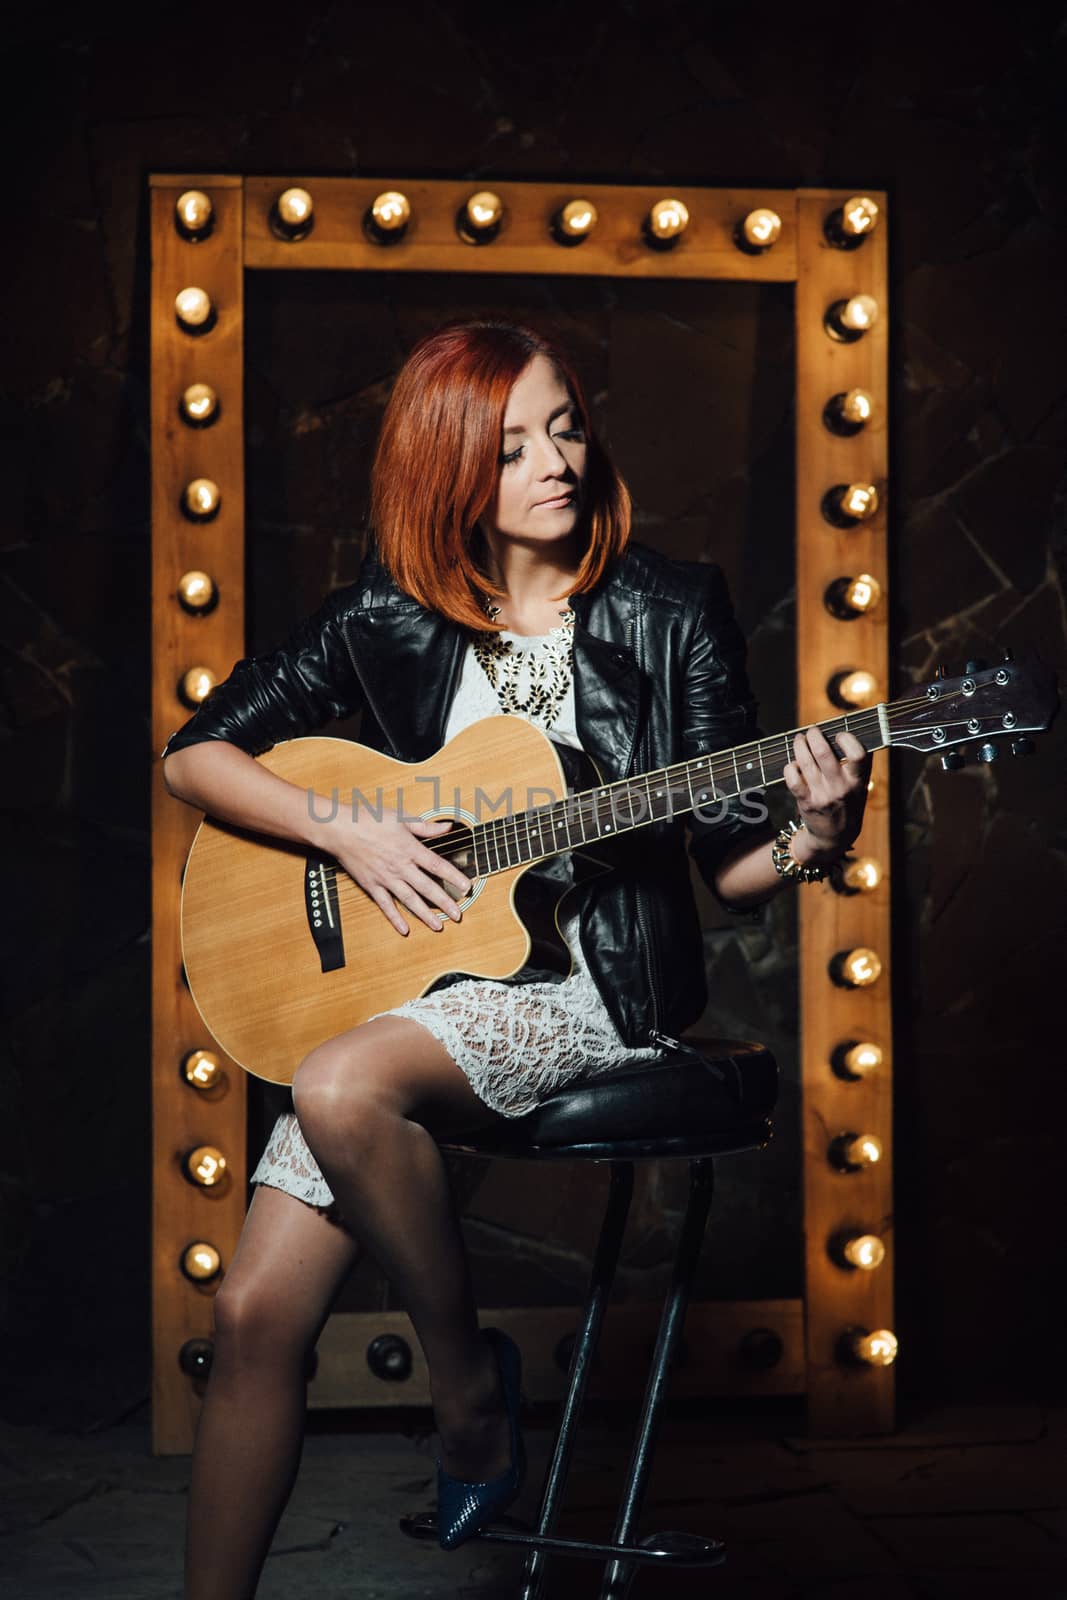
x=516 y=1041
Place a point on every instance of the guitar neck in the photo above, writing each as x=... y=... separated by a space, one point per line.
x=702 y=785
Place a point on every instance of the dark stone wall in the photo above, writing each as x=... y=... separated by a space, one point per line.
x=957 y=123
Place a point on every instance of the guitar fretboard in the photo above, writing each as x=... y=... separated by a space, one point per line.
x=702 y=785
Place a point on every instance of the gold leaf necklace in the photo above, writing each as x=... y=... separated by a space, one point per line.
x=546 y=667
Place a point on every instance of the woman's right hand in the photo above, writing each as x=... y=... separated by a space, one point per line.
x=386 y=858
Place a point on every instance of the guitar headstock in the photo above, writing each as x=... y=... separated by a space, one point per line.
x=984 y=703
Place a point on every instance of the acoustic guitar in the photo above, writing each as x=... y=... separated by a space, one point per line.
x=283 y=949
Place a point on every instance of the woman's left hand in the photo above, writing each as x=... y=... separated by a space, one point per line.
x=830 y=794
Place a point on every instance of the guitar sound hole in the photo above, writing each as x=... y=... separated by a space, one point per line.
x=457 y=848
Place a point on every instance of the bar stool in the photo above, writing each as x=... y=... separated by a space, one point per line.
x=709 y=1097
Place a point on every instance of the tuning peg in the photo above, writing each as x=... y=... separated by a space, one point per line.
x=988 y=752
x=977 y=665
x=1007 y=653
x=1022 y=747
x=952 y=760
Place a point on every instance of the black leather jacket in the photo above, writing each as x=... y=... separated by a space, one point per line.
x=659 y=677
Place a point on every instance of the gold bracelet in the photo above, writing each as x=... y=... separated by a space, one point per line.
x=785 y=862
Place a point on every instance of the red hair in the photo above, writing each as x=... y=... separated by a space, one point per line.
x=435 y=469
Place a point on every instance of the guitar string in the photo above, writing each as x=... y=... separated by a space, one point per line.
x=504 y=832
x=507 y=831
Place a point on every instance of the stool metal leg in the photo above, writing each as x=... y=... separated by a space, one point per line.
x=618 y=1575
x=605 y=1262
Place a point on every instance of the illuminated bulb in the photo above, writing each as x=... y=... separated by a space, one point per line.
x=292 y=215
x=859 y=313
x=845 y=504
x=865 y=1251
x=859 y=688
x=194 y=214
x=201 y=499
x=196 y=590
x=847 y=320
x=196 y=685
x=875 y=1349
x=848 y=598
x=848 y=412
x=859 y=501
x=862 y=874
x=194 y=310
x=761 y=228
x=202 y=1069
x=666 y=222
x=856 y=1058
x=575 y=221
x=851 y=1152
x=856 y=969
x=200 y=405
x=863 y=592
x=480 y=218
x=205 y=1165
x=863 y=1058
x=859 y=216
x=389 y=216
x=201 y=1261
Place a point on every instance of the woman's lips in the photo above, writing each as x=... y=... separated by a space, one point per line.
x=559 y=501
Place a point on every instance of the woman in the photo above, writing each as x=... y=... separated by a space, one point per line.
x=503 y=579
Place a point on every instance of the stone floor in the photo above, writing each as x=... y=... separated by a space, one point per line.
x=964 y=1502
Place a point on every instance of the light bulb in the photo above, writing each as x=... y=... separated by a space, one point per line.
x=847 y=320
x=199 y=405
x=201 y=1261
x=194 y=214
x=864 y=1250
x=877 y=1349
x=666 y=222
x=856 y=969
x=196 y=591
x=858 y=688
x=574 y=222
x=480 y=217
x=852 y=1152
x=292 y=216
x=388 y=217
x=863 y=1058
x=863 y=592
x=201 y=1069
x=201 y=499
x=196 y=685
x=848 y=598
x=862 y=875
x=205 y=1165
x=194 y=310
x=845 y=504
x=761 y=228
x=855 y=1058
x=848 y=412
x=859 y=216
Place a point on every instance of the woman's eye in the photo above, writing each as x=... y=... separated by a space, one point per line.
x=511 y=456
x=564 y=433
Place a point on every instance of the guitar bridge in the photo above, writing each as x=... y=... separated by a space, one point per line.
x=322 y=909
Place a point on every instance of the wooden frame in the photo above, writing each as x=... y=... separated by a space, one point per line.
x=843 y=1396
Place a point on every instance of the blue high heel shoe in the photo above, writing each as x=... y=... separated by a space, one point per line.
x=464 y=1509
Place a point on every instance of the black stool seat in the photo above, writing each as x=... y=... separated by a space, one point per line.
x=703 y=1099
x=707 y=1099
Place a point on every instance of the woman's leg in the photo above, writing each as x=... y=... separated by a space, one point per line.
x=269 y=1311
x=370 y=1102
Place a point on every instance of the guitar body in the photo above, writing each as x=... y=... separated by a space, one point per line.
x=282 y=950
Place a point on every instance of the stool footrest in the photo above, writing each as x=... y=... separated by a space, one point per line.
x=670 y=1549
